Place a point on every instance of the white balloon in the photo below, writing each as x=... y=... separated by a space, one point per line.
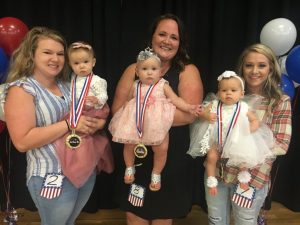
x=281 y=62
x=2 y=100
x=279 y=34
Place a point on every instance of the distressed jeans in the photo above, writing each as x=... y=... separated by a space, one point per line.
x=220 y=206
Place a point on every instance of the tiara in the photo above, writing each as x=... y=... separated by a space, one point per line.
x=228 y=74
x=146 y=54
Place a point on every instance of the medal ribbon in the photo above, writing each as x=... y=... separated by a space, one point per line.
x=231 y=125
x=140 y=110
x=77 y=106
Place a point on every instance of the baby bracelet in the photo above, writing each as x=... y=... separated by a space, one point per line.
x=211 y=182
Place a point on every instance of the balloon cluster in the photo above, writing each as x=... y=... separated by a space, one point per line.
x=280 y=35
x=12 y=31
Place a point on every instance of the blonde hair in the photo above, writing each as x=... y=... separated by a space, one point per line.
x=272 y=85
x=22 y=59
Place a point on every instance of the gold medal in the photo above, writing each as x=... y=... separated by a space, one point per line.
x=73 y=140
x=140 y=151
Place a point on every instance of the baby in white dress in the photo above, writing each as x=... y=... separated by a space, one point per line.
x=231 y=132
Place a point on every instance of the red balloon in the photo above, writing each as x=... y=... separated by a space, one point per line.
x=12 y=31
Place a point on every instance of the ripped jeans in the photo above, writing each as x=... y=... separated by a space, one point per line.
x=219 y=206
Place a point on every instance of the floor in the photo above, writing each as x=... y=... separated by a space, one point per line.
x=279 y=215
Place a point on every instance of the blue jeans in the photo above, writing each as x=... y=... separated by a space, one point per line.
x=219 y=206
x=64 y=209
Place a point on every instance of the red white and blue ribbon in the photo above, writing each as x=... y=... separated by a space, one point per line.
x=231 y=125
x=49 y=192
x=52 y=185
x=141 y=106
x=77 y=105
x=243 y=198
x=137 y=195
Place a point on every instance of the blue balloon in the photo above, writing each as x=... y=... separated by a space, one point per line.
x=3 y=65
x=292 y=64
x=287 y=86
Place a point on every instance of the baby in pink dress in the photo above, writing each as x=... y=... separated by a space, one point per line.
x=147 y=117
x=90 y=90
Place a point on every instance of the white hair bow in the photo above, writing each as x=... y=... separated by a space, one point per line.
x=228 y=74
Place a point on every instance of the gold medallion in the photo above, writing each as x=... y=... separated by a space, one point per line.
x=73 y=140
x=140 y=151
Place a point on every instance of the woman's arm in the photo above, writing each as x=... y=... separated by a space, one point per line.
x=21 y=122
x=180 y=103
x=190 y=89
x=282 y=126
x=123 y=89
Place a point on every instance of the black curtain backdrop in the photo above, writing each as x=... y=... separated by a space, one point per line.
x=218 y=31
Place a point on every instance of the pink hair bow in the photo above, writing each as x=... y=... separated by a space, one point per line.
x=81 y=45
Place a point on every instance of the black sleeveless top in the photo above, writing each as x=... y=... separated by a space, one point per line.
x=174 y=199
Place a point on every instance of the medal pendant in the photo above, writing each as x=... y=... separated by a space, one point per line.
x=73 y=140
x=140 y=151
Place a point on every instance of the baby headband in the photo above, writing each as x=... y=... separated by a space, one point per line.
x=81 y=45
x=146 y=54
x=228 y=74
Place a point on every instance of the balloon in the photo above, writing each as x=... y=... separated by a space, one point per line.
x=12 y=31
x=287 y=86
x=293 y=64
x=3 y=65
x=2 y=100
x=295 y=84
x=281 y=62
x=279 y=34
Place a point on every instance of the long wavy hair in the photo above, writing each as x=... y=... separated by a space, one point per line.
x=181 y=58
x=22 y=59
x=271 y=88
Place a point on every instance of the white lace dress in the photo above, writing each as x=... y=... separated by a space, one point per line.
x=240 y=147
x=98 y=88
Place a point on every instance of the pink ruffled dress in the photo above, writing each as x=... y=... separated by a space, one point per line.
x=158 y=118
x=94 y=152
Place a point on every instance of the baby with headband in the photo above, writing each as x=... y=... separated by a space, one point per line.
x=231 y=134
x=147 y=117
x=82 y=61
x=79 y=155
